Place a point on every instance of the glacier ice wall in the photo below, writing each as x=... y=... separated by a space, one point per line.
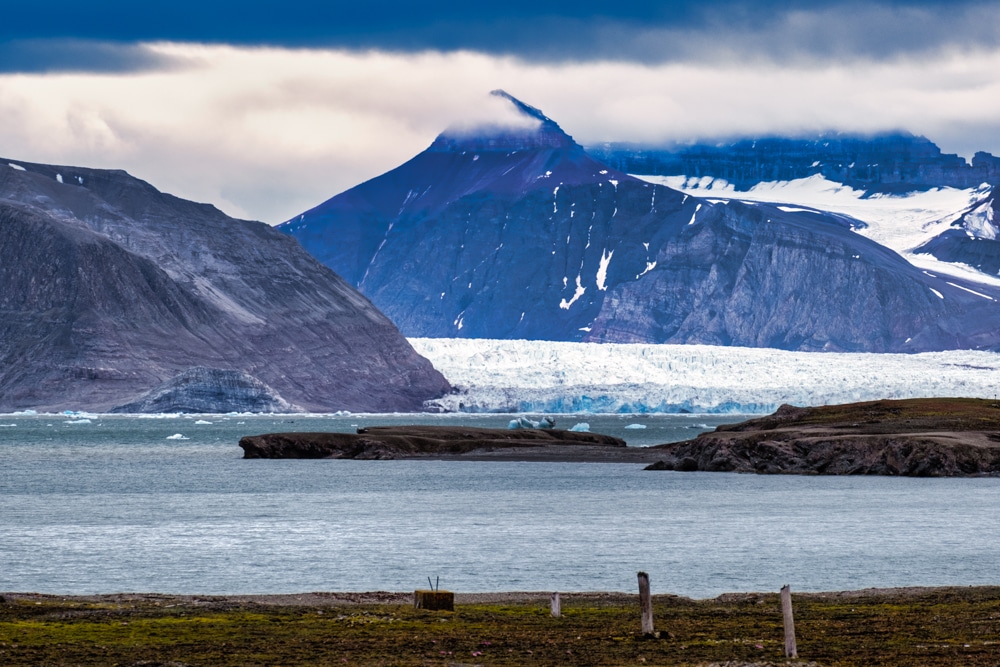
x=559 y=377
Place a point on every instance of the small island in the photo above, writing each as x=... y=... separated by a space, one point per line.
x=934 y=437
x=465 y=443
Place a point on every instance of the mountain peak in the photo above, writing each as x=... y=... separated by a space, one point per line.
x=504 y=123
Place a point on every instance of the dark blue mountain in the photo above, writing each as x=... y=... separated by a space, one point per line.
x=889 y=162
x=113 y=294
x=516 y=232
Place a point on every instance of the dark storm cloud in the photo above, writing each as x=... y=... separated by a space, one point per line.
x=74 y=55
x=53 y=35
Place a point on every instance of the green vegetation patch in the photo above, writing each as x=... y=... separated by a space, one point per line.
x=927 y=627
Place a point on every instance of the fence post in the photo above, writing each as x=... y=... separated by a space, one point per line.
x=791 y=651
x=645 y=604
x=555 y=606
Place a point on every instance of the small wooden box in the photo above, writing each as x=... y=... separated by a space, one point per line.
x=434 y=600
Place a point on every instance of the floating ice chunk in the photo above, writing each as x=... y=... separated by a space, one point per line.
x=524 y=422
x=582 y=427
x=177 y=436
x=603 y=171
x=202 y=421
x=636 y=427
x=78 y=421
x=8 y=425
x=26 y=413
x=16 y=166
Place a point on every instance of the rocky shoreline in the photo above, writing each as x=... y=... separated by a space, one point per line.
x=913 y=438
x=447 y=442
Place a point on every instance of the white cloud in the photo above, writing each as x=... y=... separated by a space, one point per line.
x=267 y=133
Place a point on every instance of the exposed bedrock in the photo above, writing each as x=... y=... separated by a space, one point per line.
x=914 y=438
x=396 y=442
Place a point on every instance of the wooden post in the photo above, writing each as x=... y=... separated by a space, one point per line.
x=556 y=606
x=786 y=610
x=645 y=604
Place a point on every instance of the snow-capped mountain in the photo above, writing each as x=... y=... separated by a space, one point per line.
x=513 y=231
x=888 y=162
x=912 y=224
x=112 y=292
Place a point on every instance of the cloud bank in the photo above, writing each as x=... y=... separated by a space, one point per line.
x=266 y=133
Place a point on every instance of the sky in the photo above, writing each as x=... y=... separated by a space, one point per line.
x=268 y=108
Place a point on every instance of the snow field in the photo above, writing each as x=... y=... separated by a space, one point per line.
x=898 y=222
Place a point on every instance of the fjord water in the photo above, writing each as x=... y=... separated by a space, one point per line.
x=114 y=505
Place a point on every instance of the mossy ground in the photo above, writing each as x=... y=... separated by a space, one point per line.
x=928 y=627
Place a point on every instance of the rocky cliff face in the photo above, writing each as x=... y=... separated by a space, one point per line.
x=894 y=162
x=199 y=390
x=521 y=234
x=111 y=288
x=974 y=238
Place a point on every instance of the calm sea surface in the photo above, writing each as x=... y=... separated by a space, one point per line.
x=115 y=505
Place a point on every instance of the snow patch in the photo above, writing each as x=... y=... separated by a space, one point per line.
x=16 y=166
x=59 y=178
x=695 y=214
x=972 y=291
x=602 y=270
x=649 y=267
x=939 y=295
x=564 y=304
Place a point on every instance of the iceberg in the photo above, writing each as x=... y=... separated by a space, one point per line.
x=524 y=422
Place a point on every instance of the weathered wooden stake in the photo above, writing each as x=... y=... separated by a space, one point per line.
x=645 y=604
x=556 y=606
x=786 y=610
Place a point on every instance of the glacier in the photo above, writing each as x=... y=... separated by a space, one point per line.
x=563 y=378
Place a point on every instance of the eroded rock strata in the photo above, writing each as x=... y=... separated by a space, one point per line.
x=916 y=438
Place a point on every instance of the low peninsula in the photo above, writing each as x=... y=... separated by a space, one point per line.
x=935 y=437
x=448 y=442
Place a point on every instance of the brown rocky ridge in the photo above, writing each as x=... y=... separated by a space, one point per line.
x=452 y=442
x=934 y=437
